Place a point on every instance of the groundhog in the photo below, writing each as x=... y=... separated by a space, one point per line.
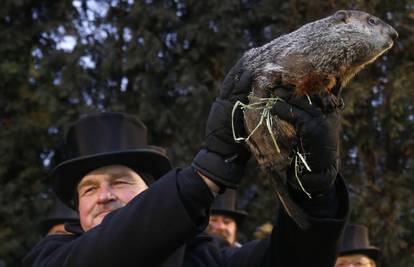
x=314 y=60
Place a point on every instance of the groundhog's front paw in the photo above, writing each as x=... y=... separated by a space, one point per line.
x=330 y=102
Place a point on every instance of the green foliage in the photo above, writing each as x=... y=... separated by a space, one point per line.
x=164 y=60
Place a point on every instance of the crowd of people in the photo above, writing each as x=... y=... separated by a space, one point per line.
x=134 y=209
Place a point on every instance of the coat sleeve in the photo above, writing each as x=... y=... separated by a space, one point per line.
x=290 y=246
x=143 y=233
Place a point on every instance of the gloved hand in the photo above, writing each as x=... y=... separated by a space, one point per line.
x=318 y=140
x=223 y=159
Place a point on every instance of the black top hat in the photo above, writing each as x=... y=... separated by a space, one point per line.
x=105 y=139
x=225 y=204
x=355 y=241
x=60 y=213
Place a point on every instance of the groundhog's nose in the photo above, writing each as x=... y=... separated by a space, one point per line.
x=393 y=33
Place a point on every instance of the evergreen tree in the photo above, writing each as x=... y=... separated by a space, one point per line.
x=164 y=61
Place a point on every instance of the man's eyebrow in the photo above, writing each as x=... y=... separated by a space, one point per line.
x=119 y=175
x=85 y=183
x=111 y=176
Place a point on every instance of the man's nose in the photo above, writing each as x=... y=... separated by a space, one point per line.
x=221 y=225
x=105 y=194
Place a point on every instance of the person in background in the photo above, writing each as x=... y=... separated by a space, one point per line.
x=225 y=219
x=263 y=230
x=54 y=222
x=356 y=250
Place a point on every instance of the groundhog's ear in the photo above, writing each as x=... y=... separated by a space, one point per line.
x=341 y=15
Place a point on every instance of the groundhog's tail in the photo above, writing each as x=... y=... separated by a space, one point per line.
x=291 y=208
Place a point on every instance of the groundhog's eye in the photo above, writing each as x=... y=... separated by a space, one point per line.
x=373 y=21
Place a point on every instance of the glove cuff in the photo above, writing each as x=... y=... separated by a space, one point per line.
x=224 y=172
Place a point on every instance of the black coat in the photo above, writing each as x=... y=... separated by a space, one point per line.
x=157 y=229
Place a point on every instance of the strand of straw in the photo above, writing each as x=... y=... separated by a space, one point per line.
x=264 y=105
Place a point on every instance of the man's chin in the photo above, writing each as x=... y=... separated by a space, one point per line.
x=98 y=219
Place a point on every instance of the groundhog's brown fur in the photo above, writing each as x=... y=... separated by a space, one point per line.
x=312 y=60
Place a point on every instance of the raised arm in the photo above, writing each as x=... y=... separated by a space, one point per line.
x=327 y=206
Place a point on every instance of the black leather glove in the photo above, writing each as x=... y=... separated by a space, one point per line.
x=318 y=140
x=223 y=159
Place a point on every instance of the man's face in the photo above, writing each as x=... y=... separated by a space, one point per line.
x=357 y=260
x=104 y=190
x=223 y=226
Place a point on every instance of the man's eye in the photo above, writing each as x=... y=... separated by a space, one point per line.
x=120 y=182
x=88 y=190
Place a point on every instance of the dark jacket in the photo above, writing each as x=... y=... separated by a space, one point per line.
x=163 y=227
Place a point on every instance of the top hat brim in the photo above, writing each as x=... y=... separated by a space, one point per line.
x=237 y=215
x=68 y=174
x=372 y=252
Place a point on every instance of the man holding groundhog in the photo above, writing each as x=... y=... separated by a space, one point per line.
x=135 y=211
